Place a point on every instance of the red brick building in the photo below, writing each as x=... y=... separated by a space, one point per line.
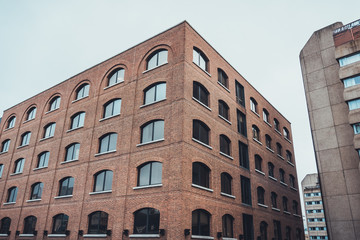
x=165 y=140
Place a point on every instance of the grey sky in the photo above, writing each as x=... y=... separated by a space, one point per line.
x=45 y=42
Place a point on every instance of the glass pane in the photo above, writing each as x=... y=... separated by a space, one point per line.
x=112 y=80
x=152 y=62
x=161 y=91
x=108 y=110
x=144 y=175
x=69 y=153
x=117 y=107
x=76 y=151
x=81 y=119
x=140 y=221
x=147 y=133
x=150 y=95
x=195 y=57
x=104 y=144
x=163 y=57
x=112 y=144
x=204 y=224
x=108 y=180
x=158 y=130
x=99 y=182
x=202 y=63
x=52 y=129
x=70 y=186
x=156 y=173
x=154 y=220
x=120 y=75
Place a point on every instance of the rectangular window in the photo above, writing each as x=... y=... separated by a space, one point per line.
x=243 y=155
x=248 y=227
x=241 y=123
x=351 y=81
x=240 y=95
x=354 y=104
x=356 y=127
x=349 y=59
x=277 y=230
x=245 y=190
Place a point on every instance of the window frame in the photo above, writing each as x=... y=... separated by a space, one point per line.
x=25 y=139
x=227 y=226
x=266 y=116
x=51 y=132
x=11 y=122
x=31 y=114
x=29 y=224
x=244 y=155
x=82 y=91
x=66 y=184
x=200 y=93
x=102 y=140
x=241 y=123
x=74 y=150
x=226 y=183
x=200 y=57
x=157 y=93
x=156 y=54
x=19 y=166
x=258 y=162
x=271 y=169
x=54 y=103
x=268 y=141
x=150 y=174
x=254 y=105
x=273 y=200
x=101 y=222
x=62 y=227
x=12 y=195
x=153 y=124
x=112 y=104
x=256 y=133
x=77 y=120
x=201 y=174
x=5 y=225
x=36 y=191
x=196 y=228
x=224 y=110
x=5 y=145
x=245 y=190
x=240 y=93
x=223 y=79
x=260 y=195
x=225 y=144
x=115 y=73
x=201 y=132
x=150 y=222
x=107 y=178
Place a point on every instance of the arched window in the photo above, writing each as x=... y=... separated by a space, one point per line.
x=288 y=233
x=268 y=141
x=77 y=120
x=5 y=146
x=200 y=174
x=54 y=103
x=279 y=149
x=253 y=105
x=276 y=124
x=271 y=169
x=273 y=200
x=60 y=223
x=226 y=180
x=107 y=143
x=223 y=110
x=112 y=108
x=263 y=230
x=19 y=165
x=12 y=194
x=66 y=186
x=155 y=93
x=256 y=132
x=36 y=190
x=11 y=122
x=146 y=221
x=49 y=130
x=1 y=169
x=31 y=114
x=292 y=181
x=156 y=59
x=201 y=131
x=98 y=222
x=103 y=181
x=200 y=59
x=223 y=78
x=261 y=195
x=295 y=207
x=152 y=131
x=82 y=91
x=25 y=139
x=200 y=223
x=225 y=145
x=258 y=162
x=200 y=93
x=282 y=175
x=149 y=173
x=5 y=225
x=72 y=152
x=265 y=115
x=117 y=76
x=29 y=225
x=286 y=133
x=227 y=226
x=288 y=156
x=285 y=204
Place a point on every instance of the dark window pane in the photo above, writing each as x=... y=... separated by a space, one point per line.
x=248 y=227
x=98 y=223
x=60 y=222
x=5 y=225
x=245 y=190
x=146 y=221
x=226 y=183
x=200 y=174
x=200 y=223
x=244 y=156
x=240 y=95
x=29 y=225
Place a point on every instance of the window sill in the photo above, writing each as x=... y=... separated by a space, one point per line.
x=257 y=141
x=258 y=171
x=201 y=187
x=296 y=215
x=283 y=183
x=223 y=86
x=225 y=155
x=293 y=189
x=39 y=168
x=28 y=120
x=106 y=118
x=268 y=123
x=227 y=195
x=263 y=205
x=73 y=129
x=7 y=129
x=26 y=235
x=201 y=237
x=45 y=138
x=270 y=149
x=34 y=200
x=275 y=209
x=57 y=235
x=13 y=174
x=22 y=146
x=288 y=140
x=291 y=163
x=286 y=212
x=148 y=104
x=201 y=104
x=204 y=144
x=64 y=196
x=272 y=178
x=255 y=113
x=3 y=235
x=100 y=192
x=9 y=203
x=70 y=161
x=228 y=238
x=148 y=186
x=76 y=100
x=103 y=153
x=246 y=205
x=148 y=70
x=113 y=85
x=52 y=110
x=3 y=152
x=95 y=236
x=280 y=156
x=155 y=141
x=225 y=119
x=144 y=235
x=203 y=70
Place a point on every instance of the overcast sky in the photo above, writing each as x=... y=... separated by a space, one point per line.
x=45 y=42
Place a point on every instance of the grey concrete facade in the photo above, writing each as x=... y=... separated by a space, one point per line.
x=331 y=126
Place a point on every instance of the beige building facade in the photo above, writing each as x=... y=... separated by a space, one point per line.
x=330 y=63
